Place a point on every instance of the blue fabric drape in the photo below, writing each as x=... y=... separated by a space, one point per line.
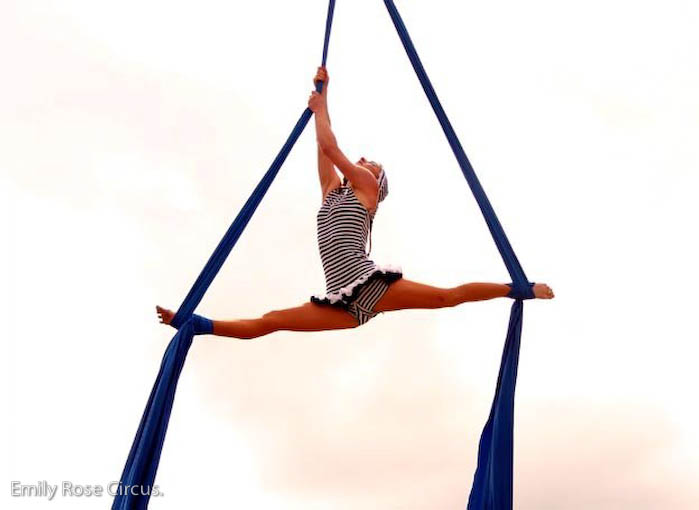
x=142 y=463
x=492 y=484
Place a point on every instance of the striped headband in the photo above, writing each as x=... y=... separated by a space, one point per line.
x=383 y=185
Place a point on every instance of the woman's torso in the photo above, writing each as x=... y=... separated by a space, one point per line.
x=344 y=225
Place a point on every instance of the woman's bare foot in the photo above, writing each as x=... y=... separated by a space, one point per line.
x=542 y=291
x=164 y=314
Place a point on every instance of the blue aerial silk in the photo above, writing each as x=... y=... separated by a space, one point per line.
x=492 y=486
x=139 y=472
x=492 y=483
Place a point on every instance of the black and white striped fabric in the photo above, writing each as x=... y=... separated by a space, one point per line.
x=343 y=229
x=362 y=308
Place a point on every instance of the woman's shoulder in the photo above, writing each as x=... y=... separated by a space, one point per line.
x=365 y=201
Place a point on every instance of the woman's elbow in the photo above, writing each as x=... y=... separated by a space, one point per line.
x=329 y=147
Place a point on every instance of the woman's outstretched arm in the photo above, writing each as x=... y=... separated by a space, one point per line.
x=329 y=180
x=360 y=177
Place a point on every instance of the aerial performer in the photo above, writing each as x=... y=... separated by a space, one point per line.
x=357 y=289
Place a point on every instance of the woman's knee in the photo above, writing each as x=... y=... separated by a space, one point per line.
x=448 y=297
x=271 y=321
x=247 y=329
x=440 y=298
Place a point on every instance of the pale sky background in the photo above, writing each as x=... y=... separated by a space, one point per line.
x=132 y=132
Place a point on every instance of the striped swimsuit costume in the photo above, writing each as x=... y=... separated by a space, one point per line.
x=353 y=281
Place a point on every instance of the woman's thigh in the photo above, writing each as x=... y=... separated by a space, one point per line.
x=311 y=317
x=403 y=294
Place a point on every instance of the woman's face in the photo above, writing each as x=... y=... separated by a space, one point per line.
x=374 y=167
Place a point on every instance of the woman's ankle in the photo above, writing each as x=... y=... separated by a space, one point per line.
x=521 y=292
x=202 y=325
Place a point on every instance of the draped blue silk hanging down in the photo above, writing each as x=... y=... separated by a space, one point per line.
x=492 y=483
x=492 y=486
x=142 y=463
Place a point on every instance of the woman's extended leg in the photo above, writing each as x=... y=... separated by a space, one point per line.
x=405 y=294
x=307 y=317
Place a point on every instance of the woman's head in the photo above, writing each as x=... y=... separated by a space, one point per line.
x=377 y=170
x=374 y=167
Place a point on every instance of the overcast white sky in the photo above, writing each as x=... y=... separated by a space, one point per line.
x=132 y=132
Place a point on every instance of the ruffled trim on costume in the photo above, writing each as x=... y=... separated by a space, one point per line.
x=349 y=293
